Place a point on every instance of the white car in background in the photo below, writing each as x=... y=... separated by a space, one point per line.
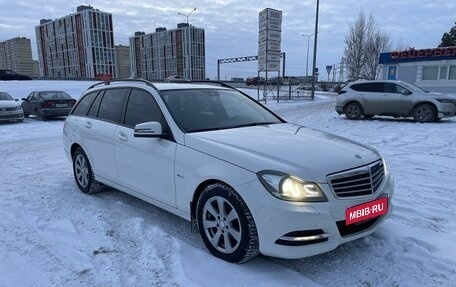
x=247 y=180
x=10 y=109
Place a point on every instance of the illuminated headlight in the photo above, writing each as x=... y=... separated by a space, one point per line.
x=292 y=188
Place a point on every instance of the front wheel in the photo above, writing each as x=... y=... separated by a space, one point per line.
x=353 y=111
x=226 y=224
x=83 y=173
x=423 y=113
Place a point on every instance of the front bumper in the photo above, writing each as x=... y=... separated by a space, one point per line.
x=320 y=224
x=446 y=110
x=11 y=115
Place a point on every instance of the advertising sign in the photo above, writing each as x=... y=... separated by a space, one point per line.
x=269 y=37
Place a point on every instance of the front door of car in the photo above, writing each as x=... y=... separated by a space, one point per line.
x=29 y=104
x=145 y=165
x=396 y=100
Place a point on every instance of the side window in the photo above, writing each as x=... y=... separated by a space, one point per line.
x=83 y=105
x=111 y=105
x=93 y=111
x=32 y=97
x=393 y=88
x=141 y=108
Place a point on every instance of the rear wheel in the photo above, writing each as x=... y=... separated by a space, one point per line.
x=424 y=113
x=226 y=224
x=83 y=173
x=353 y=111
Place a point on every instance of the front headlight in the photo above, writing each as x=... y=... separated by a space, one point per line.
x=289 y=187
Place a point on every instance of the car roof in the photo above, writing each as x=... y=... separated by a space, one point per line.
x=375 y=81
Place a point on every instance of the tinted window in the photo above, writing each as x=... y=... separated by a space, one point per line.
x=369 y=87
x=111 y=105
x=142 y=108
x=5 y=96
x=54 y=95
x=393 y=88
x=83 y=105
x=93 y=111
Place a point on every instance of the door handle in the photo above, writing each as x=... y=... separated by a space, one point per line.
x=123 y=137
x=88 y=124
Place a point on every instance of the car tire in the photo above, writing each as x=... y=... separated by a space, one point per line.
x=424 y=113
x=83 y=173
x=353 y=111
x=226 y=224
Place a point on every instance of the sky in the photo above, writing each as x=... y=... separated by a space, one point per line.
x=54 y=235
x=232 y=25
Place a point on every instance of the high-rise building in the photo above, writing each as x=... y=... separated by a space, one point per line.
x=79 y=45
x=123 y=63
x=166 y=53
x=16 y=55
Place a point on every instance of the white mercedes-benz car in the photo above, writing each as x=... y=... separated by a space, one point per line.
x=247 y=180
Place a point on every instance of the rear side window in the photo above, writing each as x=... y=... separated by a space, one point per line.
x=112 y=104
x=369 y=87
x=83 y=105
x=93 y=111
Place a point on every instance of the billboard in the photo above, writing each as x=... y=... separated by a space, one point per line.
x=269 y=37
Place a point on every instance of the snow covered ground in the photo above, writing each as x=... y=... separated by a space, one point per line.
x=53 y=235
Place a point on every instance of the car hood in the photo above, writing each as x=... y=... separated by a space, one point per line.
x=301 y=151
x=445 y=96
x=9 y=104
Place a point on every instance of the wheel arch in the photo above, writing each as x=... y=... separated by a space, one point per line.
x=73 y=149
x=196 y=195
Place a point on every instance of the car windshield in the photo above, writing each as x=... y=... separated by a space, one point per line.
x=54 y=95
x=198 y=110
x=413 y=88
x=5 y=97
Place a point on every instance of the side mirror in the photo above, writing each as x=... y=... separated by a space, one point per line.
x=149 y=130
x=24 y=99
x=16 y=100
x=406 y=92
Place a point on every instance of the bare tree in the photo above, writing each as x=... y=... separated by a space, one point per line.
x=363 y=44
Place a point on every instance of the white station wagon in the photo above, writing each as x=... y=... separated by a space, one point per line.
x=247 y=180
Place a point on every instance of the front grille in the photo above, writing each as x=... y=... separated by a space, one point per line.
x=9 y=109
x=361 y=181
x=346 y=230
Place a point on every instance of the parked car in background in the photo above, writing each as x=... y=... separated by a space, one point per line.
x=10 y=75
x=275 y=81
x=175 y=79
x=46 y=104
x=10 y=109
x=393 y=98
x=292 y=192
x=255 y=81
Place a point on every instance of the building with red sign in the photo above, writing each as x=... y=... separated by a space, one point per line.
x=432 y=69
x=79 y=45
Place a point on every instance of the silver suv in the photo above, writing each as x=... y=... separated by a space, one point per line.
x=393 y=98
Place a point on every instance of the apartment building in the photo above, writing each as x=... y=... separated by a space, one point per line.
x=164 y=53
x=123 y=62
x=16 y=55
x=79 y=45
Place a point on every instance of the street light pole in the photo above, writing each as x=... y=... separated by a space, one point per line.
x=189 y=52
x=307 y=58
x=315 y=52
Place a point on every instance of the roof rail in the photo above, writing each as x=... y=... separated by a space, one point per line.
x=150 y=84
x=211 y=83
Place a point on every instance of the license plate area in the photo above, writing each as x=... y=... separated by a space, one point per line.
x=366 y=211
